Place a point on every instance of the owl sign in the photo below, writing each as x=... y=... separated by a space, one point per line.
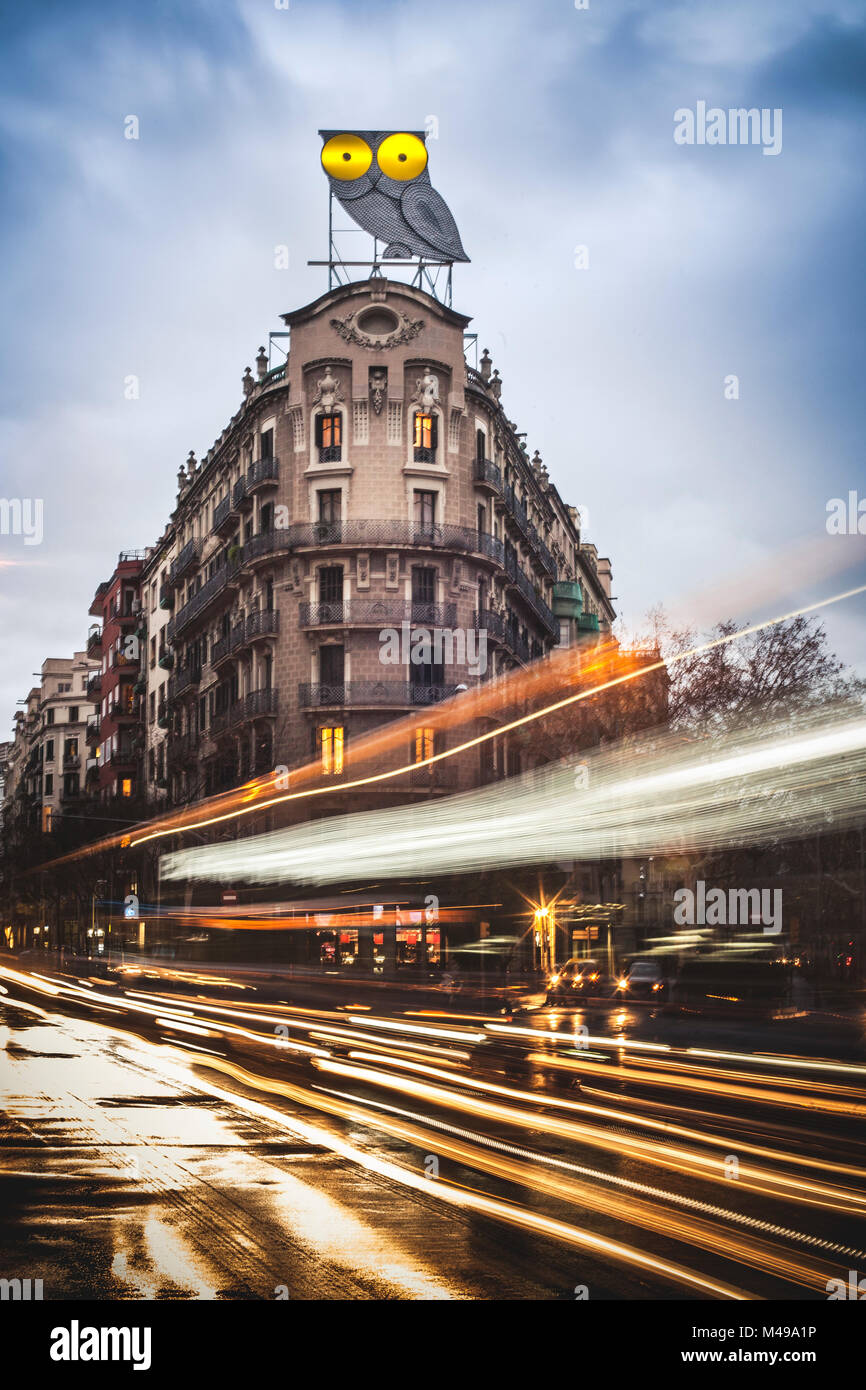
x=381 y=180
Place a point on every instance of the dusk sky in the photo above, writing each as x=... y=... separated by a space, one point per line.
x=155 y=258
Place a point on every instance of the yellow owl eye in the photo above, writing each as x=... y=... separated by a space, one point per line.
x=346 y=157
x=402 y=156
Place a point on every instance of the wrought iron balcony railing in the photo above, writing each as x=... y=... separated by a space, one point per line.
x=403 y=694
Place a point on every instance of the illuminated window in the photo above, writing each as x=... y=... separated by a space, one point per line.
x=47 y=814
x=425 y=432
x=126 y=786
x=329 y=436
x=425 y=740
x=332 y=750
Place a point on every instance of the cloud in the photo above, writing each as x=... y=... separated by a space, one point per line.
x=155 y=258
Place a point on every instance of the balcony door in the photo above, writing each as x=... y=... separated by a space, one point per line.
x=332 y=665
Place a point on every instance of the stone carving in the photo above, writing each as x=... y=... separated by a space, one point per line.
x=328 y=391
x=406 y=330
x=378 y=387
x=426 y=390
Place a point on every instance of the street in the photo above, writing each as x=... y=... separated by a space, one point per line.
x=166 y=1141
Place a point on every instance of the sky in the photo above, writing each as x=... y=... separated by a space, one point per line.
x=154 y=258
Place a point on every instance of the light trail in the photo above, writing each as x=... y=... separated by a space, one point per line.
x=776 y=1184
x=755 y=784
x=470 y=706
x=692 y=1079
x=743 y=1254
x=702 y=1225
x=467 y=1199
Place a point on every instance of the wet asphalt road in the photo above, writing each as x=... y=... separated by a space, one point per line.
x=131 y=1171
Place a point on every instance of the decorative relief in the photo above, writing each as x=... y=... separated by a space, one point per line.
x=363 y=577
x=378 y=387
x=297 y=416
x=360 y=422
x=454 y=430
x=395 y=422
x=392 y=571
x=328 y=391
x=426 y=391
x=405 y=331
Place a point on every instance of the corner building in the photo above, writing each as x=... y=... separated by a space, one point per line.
x=371 y=482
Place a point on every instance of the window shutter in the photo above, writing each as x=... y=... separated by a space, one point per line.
x=319 y=419
x=434 y=431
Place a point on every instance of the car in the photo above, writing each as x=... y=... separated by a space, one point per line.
x=573 y=979
x=642 y=979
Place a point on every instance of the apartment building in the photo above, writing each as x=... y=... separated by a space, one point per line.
x=367 y=537
x=115 y=733
x=47 y=765
x=157 y=601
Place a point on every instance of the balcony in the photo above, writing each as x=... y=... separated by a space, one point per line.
x=71 y=793
x=504 y=633
x=94 y=685
x=166 y=598
x=330 y=453
x=91 y=731
x=185 y=562
x=324 y=614
x=241 y=498
x=162 y=715
x=423 y=454
x=94 y=642
x=182 y=747
x=567 y=599
x=534 y=600
x=372 y=694
x=265 y=622
x=266 y=544
x=202 y=602
x=121 y=710
x=166 y=660
x=223 y=516
x=487 y=475
x=377 y=613
x=228 y=645
x=393 y=534
x=260 y=703
x=184 y=679
x=263 y=473
x=72 y=763
x=434 y=777
x=121 y=662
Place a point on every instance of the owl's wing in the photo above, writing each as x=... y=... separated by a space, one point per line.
x=427 y=214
